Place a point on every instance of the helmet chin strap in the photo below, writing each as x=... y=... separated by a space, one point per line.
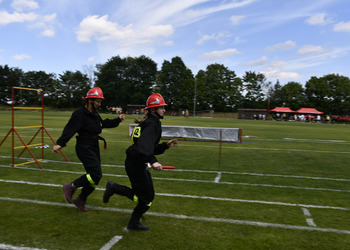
x=159 y=116
x=91 y=103
x=156 y=113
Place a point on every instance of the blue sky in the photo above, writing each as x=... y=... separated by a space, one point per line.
x=285 y=40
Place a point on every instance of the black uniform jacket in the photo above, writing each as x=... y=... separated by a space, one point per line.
x=146 y=139
x=87 y=124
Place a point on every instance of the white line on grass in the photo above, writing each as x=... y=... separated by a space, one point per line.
x=256 y=185
x=201 y=181
x=112 y=242
x=191 y=170
x=271 y=149
x=197 y=197
x=217 y=178
x=10 y=247
x=186 y=217
x=308 y=216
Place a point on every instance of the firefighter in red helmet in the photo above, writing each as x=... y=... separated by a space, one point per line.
x=88 y=124
x=145 y=145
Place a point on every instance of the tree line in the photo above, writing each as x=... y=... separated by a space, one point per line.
x=131 y=80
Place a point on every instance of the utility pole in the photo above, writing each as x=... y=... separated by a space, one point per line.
x=195 y=97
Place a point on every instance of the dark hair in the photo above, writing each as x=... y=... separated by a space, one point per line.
x=144 y=118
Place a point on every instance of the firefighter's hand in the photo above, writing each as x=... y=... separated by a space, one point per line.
x=157 y=166
x=56 y=148
x=172 y=143
x=122 y=117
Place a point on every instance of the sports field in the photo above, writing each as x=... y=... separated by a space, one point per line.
x=287 y=186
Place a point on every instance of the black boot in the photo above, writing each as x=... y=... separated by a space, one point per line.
x=138 y=227
x=134 y=224
x=108 y=192
x=115 y=188
x=68 y=190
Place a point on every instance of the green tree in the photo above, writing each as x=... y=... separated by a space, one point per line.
x=126 y=80
x=255 y=88
x=317 y=93
x=70 y=89
x=276 y=98
x=339 y=93
x=222 y=87
x=38 y=80
x=293 y=95
x=176 y=83
x=201 y=101
x=9 y=77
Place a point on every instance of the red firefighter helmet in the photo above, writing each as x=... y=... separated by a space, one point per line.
x=94 y=93
x=155 y=100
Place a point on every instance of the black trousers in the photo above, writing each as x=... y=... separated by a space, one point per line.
x=89 y=154
x=142 y=187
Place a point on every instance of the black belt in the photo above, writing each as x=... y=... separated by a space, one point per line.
x=96 y=137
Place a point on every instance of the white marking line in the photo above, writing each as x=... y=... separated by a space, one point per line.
x=191 y=180
x=186 y=217
x=187 y=170
x=197 y=197
x=308 y=216
x=112 y=242
x=256 y=185
x=217 y=178
x=270 y=149
x=6 y=246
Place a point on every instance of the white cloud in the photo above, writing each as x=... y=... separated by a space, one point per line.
x=22 y=5
x=46 y=23
x=48 y=33
x=102 y=29
x=227 y=5
x=91 y=59
x=318 y=19
x=278 y=64
x=342 y=27
x=282 y=46
x=311 y=50
x=21 y=57
x=220 y=37
x=258 y=62
x=177 y=12
x=236 y=19
x=205 y=38
x=217 y=55
x=169 y=43
x=7 y=18
x=278 y=74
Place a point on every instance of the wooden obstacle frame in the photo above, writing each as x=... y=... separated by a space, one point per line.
x=41 y=130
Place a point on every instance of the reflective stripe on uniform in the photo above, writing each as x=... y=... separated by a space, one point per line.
x=136 y=133
x=92 y=183
x=136 y=199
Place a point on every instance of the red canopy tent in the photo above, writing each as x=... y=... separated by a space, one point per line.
x=309 y=111
x=282 y=110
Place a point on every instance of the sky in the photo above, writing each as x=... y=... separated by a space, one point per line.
x=284 y=40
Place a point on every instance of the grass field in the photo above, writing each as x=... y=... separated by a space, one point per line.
x=287 y=186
